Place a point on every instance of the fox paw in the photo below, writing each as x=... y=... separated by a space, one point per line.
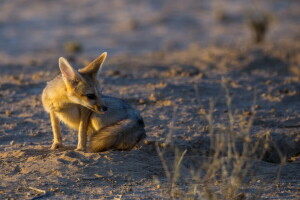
x=80 y=149
x=56 y=146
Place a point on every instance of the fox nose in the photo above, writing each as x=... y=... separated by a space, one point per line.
x=100 y=108
x=104 y=108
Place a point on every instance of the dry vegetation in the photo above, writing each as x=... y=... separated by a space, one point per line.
x=227 y=168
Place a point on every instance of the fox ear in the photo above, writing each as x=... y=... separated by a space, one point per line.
x=67 y=71
x=95 y=67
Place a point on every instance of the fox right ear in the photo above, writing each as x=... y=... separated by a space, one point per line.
x=67 y=71
x=95 y=66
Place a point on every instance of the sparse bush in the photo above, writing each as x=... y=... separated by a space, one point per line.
x=220 y=14
x=259 y=24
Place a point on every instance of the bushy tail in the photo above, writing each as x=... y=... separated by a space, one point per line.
x=123 y=135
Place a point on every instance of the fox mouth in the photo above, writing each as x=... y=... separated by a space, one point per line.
x=96 y=111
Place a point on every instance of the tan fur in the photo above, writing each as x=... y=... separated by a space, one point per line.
x=68 y=98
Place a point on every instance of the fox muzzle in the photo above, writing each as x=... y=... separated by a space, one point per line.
x=100 y=109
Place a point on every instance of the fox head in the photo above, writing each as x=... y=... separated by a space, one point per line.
x=83 y=86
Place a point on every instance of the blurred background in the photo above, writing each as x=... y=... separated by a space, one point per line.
x=40 y=28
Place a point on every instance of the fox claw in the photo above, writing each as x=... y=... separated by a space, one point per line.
x=56 y=146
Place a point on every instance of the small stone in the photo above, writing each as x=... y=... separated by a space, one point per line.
x=256 y=107
x=267 y=82
x=142 y=101
x=152 y=97
x=247 y=113
x=202 y=111
x=8 y=113
x=72 y=47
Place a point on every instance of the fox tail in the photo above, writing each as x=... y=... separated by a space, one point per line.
x=123 y=135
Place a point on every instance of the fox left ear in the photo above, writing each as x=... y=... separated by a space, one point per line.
x=95 y=66
x=69 y=74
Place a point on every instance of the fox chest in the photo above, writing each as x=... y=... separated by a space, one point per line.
x=70 y=116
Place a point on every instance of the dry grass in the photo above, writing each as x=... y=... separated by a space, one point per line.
x=226 y=171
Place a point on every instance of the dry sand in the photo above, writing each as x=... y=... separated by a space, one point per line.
x=166 y=58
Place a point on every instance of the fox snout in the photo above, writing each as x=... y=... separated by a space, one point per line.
x=99 y=105
x=100 y=108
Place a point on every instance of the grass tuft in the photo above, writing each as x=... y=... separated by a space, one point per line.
x=259 y=25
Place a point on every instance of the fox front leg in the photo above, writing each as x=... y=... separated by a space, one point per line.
x=57 y=139
x=82 y=130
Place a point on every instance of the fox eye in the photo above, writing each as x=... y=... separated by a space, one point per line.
x=91 y=96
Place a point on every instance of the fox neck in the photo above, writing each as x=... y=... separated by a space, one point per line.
x=59 y=96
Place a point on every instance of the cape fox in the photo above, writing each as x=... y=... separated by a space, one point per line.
x=75 y=98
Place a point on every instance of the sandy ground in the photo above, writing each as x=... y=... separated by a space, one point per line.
x=167 y=59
